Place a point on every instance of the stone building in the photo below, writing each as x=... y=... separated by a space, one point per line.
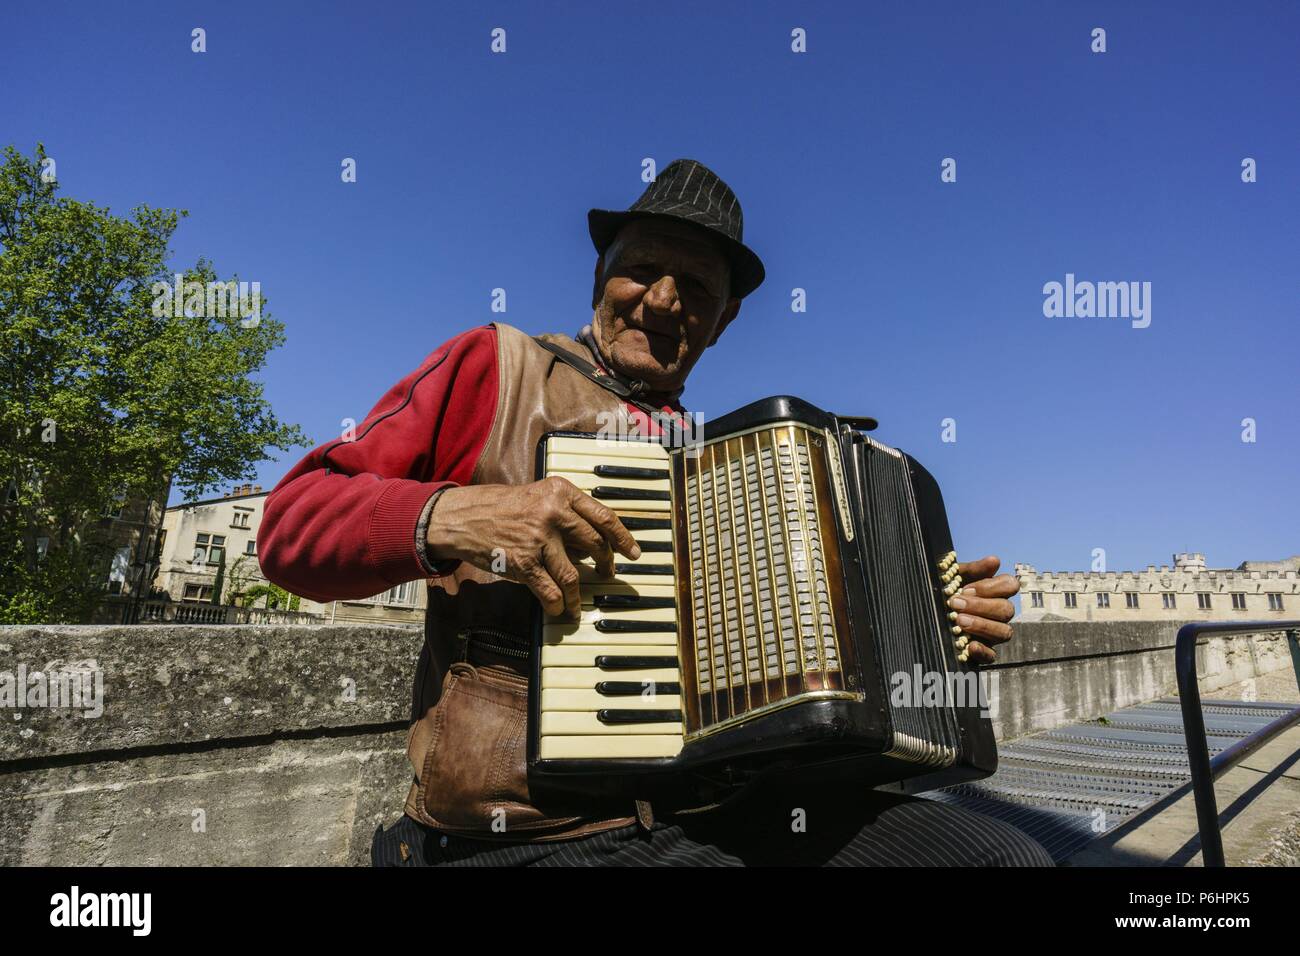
x=1255 y=590
x=198 y=536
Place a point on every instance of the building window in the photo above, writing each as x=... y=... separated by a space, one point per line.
x=1203 y=600
x=1238 y=600
x=403 y=594
x=198 y=593
x=1170 y=600
x=1035 y=598
x=117 y=573
x=1071 y=599
x=114 y=507
x=1274 y=601
x=1103 y=599
x=209 y=548
x=1130 y=599
x=251 y=547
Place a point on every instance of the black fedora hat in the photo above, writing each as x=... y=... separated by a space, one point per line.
x=691 y=192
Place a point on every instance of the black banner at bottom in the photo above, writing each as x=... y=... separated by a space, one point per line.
x=331 y=906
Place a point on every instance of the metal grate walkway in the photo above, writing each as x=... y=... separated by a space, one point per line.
x=1067 y=786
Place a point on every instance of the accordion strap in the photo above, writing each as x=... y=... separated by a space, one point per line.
x=630 y=392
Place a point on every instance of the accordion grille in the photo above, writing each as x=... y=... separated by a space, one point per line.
x=764 y=626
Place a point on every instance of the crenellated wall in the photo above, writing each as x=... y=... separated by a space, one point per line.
x=1187 y=590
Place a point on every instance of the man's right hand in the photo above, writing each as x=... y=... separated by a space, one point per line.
x=537 y=530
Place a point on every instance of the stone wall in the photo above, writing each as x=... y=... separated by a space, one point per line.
x=1054 y=673
x=256 y=745
x=285 y=745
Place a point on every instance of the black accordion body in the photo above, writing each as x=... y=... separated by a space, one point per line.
x=788 y=610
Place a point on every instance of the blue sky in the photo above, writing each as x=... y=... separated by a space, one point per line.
x=924 y=298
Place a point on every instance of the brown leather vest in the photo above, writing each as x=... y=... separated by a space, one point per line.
x=468 y=738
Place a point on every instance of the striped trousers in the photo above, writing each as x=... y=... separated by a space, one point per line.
x=874 y=828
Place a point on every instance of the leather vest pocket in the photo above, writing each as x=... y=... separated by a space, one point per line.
x=473 y=774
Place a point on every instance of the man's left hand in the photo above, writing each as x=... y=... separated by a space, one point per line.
x=982 y=606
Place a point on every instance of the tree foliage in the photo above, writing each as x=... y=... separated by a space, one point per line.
x=276 y=597
x=104 y=396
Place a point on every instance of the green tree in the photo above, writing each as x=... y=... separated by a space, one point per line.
x=106 y=389
x=238 y=580
x=276 y=597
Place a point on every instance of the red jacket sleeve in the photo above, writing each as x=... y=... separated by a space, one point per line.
x=342 y=523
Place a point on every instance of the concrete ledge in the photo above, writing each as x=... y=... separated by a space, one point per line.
x=166 y=685
x=1054 y=673
x=285 y=745
x=265 y=745
x=308 y=803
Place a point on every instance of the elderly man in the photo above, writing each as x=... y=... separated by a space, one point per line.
x=438 y=484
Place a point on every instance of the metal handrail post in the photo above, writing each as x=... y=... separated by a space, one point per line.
x=1204 y=771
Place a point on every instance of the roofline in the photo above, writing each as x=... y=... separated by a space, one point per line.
x=216 y=501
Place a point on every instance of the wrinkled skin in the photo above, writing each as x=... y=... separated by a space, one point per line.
x=661 y=298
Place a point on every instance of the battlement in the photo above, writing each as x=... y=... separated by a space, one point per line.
x=1253 y=590
x=1212 y=577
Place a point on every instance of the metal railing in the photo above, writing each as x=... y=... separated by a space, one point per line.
x=1204 y=769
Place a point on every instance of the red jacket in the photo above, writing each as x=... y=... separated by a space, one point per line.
x=341 y=524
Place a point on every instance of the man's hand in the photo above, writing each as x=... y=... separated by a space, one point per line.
x=982 y=606
x=536 y=531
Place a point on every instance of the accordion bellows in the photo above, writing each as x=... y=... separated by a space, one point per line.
x=793 y=571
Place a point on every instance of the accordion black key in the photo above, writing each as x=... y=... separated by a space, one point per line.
x=788 y=609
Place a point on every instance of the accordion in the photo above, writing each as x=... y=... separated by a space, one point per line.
x=788 y=609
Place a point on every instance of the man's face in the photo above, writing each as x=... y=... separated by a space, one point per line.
x=661 y=298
